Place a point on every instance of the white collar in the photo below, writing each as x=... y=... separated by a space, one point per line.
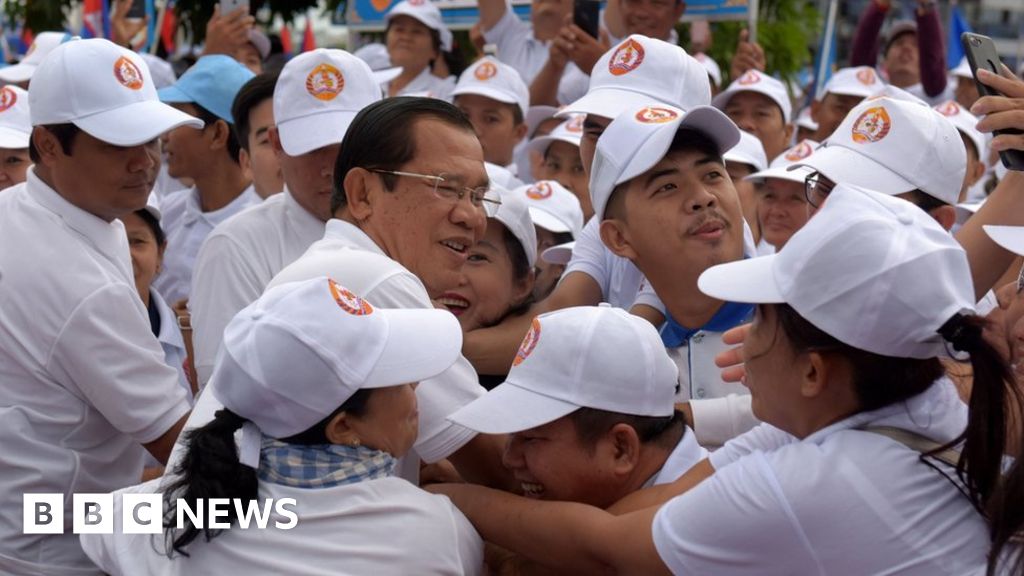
x=352 y=235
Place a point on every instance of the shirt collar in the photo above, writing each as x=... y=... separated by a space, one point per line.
x=194 y=211
x=730 y=315
x=170 y=333
x=350 y=234
x=301 y=219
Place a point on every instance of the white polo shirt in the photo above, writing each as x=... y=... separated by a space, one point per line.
x=428 y=85
x=187 y=226
x=518 y=48
x=383 y=526
x=170 y=339
x=84 y=380
x=841 y=501
x=237 y=261
x=687 y=453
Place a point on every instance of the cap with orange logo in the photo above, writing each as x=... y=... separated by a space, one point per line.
x=553 y=207
x=424 y=11
x=779 y=168
x=495 y=80
x=860 y=81
x=15 y=121
x=760 y=83
x=967 y=124
x=42 y=45
x=570 y=131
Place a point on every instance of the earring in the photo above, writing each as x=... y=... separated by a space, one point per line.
x=354 y=443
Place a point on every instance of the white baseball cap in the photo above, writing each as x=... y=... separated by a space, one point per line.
x=260 y=41
x=640 y=137
x=582 y=357
x=103 y=89
x=748 y=150
x=376 y=57
x=161 y=70
x=860 y=81
x=1009 y=237
x=514 y=213
x=537 y=114
x=296 y=354
x=569 y=131
x=779 y=167
x=757 y=81
x=711 y=66
x=559 y=255
x=894 y=146
x=15 y=121
x=966 y=123
x=501 y=176
x=495 y=80
x=804 y=120
x=890 y=295
x=552 y=206
x=642 y=70
x=963 y=69
x=42 y=45
x=427 y=13
x=316 y=97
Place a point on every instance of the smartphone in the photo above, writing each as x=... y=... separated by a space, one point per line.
x=981 y=53
x=229 y=6
x=587 y=15
x=138 y=10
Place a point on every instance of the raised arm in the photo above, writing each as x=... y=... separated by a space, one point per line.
x=865 y=39
x=932 y=60
x=491 y=12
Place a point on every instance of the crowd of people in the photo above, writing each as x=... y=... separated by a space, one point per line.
x=580 y=307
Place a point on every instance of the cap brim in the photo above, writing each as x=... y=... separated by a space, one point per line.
x=136 y=123
x=173 y=95
x=537 y=114
x=12 y=139
x=308 y=133
x=1009 y=237
x=749 y=281
x=540 y=144
x=547 y=220
x=421 y=344
x=260 y=41
x=17 y=72
x=797 y=175
x=559 y=255
x=387 y=74
x=844 y=166
x=607 y=102
x=510 y=408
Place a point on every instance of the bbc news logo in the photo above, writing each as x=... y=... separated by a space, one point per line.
x=144 y=513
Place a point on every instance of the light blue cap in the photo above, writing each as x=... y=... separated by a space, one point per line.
x=212 y=82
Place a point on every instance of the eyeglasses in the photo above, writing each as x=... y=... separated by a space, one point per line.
x=817 y=188
x=446 y=187
x=1020 y=281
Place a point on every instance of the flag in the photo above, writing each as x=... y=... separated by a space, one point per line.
x=150 y=26
x=27 y=37
x=308 y=41
x=286 y=40
x=169 y=30
x=957 y=26
x=92 y=18
x=825 y=59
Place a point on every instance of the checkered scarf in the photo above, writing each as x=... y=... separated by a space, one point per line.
x=321 y=465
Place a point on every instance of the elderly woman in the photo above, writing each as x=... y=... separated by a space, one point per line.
x=415 y=38
x=850 y=472
x=15 y=130
x=317 y=387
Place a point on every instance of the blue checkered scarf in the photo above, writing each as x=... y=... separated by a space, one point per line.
x=321 y=465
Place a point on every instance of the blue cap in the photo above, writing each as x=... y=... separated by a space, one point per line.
x=212 y=82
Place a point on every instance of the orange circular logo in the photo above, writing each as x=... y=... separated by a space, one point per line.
x=539 y=191
x=654 y=115
x=325 y=82
x=348 y=301
x=626 y=58
x=7 y=98
x=128 y=74
x=866 y=76
x=872 y=125
x=485 y=71
x=748 y=78
x=950 y=108
x=529 y=343
x=575 y=124
x=799 y=152
x=415 y=2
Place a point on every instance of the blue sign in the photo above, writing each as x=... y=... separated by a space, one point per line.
x=457 y=14
x=717 y=10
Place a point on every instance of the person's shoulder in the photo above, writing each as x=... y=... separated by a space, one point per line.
x=172 y=206
x=253 y=222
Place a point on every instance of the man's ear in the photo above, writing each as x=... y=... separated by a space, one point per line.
x=358 y=186
x=275 y=141
x=945 y=215
x=520 y=132
x=788 y=129
x=46 y=145
x=615 y=236
x=221 y=133
x=815 y=109
x=625 y=444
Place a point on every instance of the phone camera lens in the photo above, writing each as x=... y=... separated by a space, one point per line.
x=975 y=42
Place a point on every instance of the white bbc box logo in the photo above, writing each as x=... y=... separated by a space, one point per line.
x=142 y=513
x=43 y=514
x=93 y=513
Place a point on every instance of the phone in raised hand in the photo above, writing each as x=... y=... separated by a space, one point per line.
x=981 y=54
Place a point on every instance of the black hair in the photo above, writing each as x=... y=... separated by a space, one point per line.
x=258 y=89
x=924 y=200
x=210 y=469
x=520 y=269
x=591 y=424
x=209 y=119
x=154 y=226
x=65 y=134
x=381 y=137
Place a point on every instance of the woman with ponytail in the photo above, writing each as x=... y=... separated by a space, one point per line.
x=318 y=392
x=867 y=462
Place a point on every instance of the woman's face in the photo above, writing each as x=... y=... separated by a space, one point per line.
x=410 y=44
x=562 y=164
x=1006 y=329
x=146 y=254
x=391 y=420
x=14 y=165
x=770 y=372
x=488 y=289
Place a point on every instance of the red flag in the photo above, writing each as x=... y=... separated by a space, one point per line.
x=286 y=40
x=27 y=38
x=92 y=19
x=308 y=41
x=169 y=31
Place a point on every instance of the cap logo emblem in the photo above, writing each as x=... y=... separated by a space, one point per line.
x=7 y=98
x=748 y=78
x=348 y=301
x=539 y=191
x=575 y=124
x=867 y=76
x=485 y=71
x=872 y=125
x=653 y=115
x=325 y=82
x=415 y=2
x=127 y=73
x=380 y=5
x=799 y=152
x=529 y=343
x=626 y=58
x=950 y=108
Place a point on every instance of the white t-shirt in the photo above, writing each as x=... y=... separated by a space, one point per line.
x=84 y=383
x=687 y=453
x=518 y=48
x=170 y=340
x=429 y=86
x=187 y=226
x=619 y=279
x=841 y=501
x=383 y=526
x=237 y=261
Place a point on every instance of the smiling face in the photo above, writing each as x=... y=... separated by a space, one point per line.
x=781 y=210
x=146 y=254
x=410 y=44
x=901 y=61
x=652 y=18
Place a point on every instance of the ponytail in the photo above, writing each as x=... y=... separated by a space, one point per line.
x=209 y=469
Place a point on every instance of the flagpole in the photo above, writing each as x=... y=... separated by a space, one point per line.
x=158 y=31
x=752 y=12
x=825 y=57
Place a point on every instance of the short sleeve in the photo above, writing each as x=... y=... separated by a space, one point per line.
x=438 y=398
x=763 y=437
x=588 y=257
x=648 y=297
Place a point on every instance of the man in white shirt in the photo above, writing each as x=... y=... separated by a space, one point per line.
x=209 y=158
x=253 y=111
x=85 y=387
x=240 y=256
